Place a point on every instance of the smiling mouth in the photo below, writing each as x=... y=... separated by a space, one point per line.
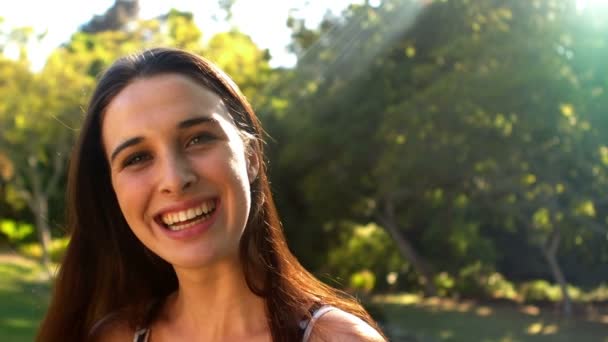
x=187 y=218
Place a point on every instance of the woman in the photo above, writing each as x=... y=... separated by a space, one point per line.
x=174 y=234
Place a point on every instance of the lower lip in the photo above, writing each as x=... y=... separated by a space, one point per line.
x=195 y=230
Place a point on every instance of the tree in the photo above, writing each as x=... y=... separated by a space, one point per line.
x=43 y=110
x=466 y=120
x=38 y=119
x=115 y=18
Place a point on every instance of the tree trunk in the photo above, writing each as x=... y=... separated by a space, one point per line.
x=41 y=208
x=38 y=200
x=550 y=253
x=408 y=251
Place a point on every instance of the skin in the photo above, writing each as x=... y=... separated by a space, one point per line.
x=175 y=168
x=167 y=167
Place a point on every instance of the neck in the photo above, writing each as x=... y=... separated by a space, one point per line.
x=215 y=303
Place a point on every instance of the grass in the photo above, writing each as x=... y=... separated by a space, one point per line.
x=23 y=297
x=412 y=319
x=24 y=292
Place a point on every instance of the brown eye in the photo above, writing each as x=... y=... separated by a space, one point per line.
x=136 y=159
x=200 y=139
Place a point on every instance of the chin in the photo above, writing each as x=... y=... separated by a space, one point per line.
x=205 y=258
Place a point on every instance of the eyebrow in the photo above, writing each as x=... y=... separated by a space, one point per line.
x=182 y=125
x=196 y=121
x=122 y=146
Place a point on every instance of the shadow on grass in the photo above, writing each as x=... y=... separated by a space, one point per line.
x=24 y=295
x=424 y=322
x=23 y=300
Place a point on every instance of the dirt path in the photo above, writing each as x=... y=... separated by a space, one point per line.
x=13 y=256
x=8 y=256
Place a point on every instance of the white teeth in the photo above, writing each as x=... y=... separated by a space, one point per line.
x=188 y=214
x=186 y=225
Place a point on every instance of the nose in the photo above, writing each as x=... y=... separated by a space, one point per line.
x=177 y=174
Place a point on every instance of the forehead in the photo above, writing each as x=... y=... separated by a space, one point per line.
x=163 y=97
x=153 y=104
x=174 y=90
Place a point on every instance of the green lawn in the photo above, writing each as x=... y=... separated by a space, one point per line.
x=410 y=319
x=24 y=297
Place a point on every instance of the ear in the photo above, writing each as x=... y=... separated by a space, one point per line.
x=253 y=166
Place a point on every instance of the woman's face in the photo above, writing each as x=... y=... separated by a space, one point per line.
x=179 y=169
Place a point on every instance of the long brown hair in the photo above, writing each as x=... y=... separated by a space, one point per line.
x=107 y=270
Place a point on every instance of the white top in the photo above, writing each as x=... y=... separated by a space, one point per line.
x=315 y=316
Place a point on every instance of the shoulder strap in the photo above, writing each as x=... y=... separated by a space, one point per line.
x=97 y=326
x=315 y=316
x=141 y=335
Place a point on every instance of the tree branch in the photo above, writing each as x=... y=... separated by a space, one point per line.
x=58 y=167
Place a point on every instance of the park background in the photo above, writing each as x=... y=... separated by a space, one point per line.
x=444 y=161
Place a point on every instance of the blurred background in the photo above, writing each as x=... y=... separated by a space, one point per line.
x=445 y=161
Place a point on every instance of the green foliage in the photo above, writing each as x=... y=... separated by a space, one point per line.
x=244 y=61
x=16 y=232
x=444 y=283
x=475 y=281
x=539 y=290
x=543 y=291
x=363 y=247
x=57 y=249
x=472 y=124
x=362 y=281
x=499 y=287
x=599 y=294
x=183 y=31
x=479 y=281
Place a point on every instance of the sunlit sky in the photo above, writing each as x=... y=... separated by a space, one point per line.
x=263 y=20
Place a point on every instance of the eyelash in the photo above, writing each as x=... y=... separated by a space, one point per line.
x=138 y=158
x=200 y=138
x=135 y=159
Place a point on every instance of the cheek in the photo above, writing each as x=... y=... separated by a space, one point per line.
x=227 y=160
x=131 y=193
x=229 y=169
x=238 y=165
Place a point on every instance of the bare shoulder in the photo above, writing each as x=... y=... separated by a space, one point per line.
x=112 y=328
x=337 y=326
